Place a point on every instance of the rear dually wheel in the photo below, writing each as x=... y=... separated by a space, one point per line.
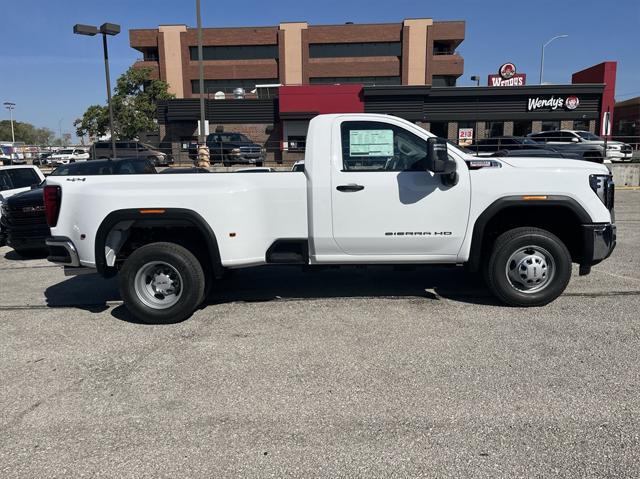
x=162 y=283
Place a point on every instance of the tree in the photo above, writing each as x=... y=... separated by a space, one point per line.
x=26 y=133
x=94 y=122
x=134 y=106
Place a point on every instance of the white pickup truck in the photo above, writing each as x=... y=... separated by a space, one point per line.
x=375 y=189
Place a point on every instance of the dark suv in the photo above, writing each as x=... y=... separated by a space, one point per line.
x=130 y=149
x=231 y=149
x=23 y=223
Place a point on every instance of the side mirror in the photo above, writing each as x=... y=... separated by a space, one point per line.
x=438 y=161
x=575 y=140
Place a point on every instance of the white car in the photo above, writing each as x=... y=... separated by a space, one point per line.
x=616 y=150
x=298 y=166
x=68 y=155
x=16 y=179
x=377 y=189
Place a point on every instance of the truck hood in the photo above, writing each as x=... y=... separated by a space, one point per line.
x=553 y=163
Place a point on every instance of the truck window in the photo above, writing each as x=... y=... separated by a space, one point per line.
x=21 y=178
x=377 y=146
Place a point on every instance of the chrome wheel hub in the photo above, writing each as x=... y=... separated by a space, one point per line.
x=530 y=269
x=158 y=285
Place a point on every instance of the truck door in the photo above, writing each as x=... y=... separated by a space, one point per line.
x=384 y=201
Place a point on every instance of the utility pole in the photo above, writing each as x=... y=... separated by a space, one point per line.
x=11 y=106
x=203 y=151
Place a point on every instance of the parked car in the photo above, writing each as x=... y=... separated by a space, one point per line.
x=18 y=178
x=521 y=221
x=15 y=180
x=68 y=155
x=23 y=224
x=130 y=149
x=489 y=146
x=616 y=150
x=298 y=166
x=10 y=156
x=43 y=158
x=231 y=149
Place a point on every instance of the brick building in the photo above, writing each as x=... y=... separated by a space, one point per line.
x=414 y=52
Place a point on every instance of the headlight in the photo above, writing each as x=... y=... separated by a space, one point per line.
x=613 y=147
x=235 y=151
x=603 y=186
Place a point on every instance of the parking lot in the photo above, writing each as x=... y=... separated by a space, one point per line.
x=347 y=372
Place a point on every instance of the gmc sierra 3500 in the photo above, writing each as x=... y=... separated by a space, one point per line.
x=375 y=189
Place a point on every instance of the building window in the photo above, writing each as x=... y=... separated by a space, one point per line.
x=522 y=128
x=443 y=80
x=227 y=86
x=364 y=80
x=581 y=125
x=550 y=125
x=494 y=128
x=443 y=48
x=370 y=49
x=150 y=54
x=235 y=52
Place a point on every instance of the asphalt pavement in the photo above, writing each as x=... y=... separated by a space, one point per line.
x=380 y=372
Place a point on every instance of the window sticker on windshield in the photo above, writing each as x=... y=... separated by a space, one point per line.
x=371 y=143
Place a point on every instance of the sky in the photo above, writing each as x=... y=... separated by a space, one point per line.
x=53 y=75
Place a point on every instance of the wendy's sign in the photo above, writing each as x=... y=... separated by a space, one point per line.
x=507 y=76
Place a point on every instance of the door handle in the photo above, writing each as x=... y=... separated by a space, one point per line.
x=350 y=187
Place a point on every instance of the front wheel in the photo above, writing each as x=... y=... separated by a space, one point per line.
x=162 y=283
x=528 y=267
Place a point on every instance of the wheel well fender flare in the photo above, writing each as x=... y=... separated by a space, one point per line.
x=501 y=204
x=166 y=218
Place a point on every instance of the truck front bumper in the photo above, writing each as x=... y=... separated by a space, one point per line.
x=599 y=241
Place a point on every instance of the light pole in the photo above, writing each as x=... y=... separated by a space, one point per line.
x=203 y=151
x=542 y=56
x=106 y=29
x=476 y=78
x=11 y=106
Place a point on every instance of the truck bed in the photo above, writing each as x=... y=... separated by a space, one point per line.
x=247 y=212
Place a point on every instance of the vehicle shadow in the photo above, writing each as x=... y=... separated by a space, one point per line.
x=92 y=293
x=89 y=292
x=289 y=282
x=14 y=256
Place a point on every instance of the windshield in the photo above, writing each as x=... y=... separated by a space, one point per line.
x=65 y=152
x=589 y=136
x=529 y=141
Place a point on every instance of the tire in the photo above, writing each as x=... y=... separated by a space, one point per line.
x=528 y=267
x=177 y=268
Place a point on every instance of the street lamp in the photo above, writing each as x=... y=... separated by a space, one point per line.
x=106 y=29
x=203 y=151
x=542 y=56
x=476 y=78
x=11 y=106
